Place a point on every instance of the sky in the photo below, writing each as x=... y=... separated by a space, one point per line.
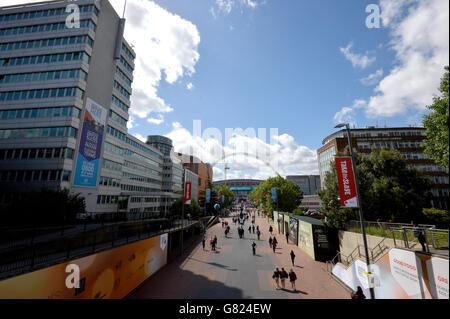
x=258 y=84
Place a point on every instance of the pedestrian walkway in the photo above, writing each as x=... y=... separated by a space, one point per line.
x=232 y=271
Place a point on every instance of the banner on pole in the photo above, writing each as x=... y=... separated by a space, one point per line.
x=187 y=192
x=274 y=194
x=208 y=195
x=346 y=181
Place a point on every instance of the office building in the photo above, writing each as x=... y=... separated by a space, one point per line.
x=190 y=176
x=203 y=170
x=409 y=141
x=64 y=105
x=309 y=184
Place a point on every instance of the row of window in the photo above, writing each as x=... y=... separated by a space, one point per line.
x=41 y=94
x=139 y=199
x=126 y=65
x=119 y=119
x=47 y=58
x=116 y=133
x=45 y=13
x=41 y=112
x=135 y=188
x=140 y=178
x=440 y=179
x=43 y=76
x=35 y=175
x=130 y=153
x=141 y=168
x=122 y=90
x=36 y=153
x=64 y=131
x=113 y=149
x=403 y=144
x=41 y=43
x=127 y=52
x=108 y=181
x=112 y=165
x=107 y=199
x=120 y=104
x=143 y=148
x=123 y=76
x=44 y=28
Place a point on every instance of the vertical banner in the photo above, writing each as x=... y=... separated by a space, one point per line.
x=88 y=159
x=187 y=192
x=208 y=195
x=223 y=199
x=274 y=194
x=346 y=181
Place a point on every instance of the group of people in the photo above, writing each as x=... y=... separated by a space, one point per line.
x=212 y=243
x=282 y=275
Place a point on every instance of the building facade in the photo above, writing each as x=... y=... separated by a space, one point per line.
x=240 y=187
x=309 y=184
x=190 y=176
x=203 y=170
x=64 y=106
x=409 y=141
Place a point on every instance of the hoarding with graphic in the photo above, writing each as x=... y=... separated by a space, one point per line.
x=110 y=274
x=346 y=181
x=88 y=158
x=305 y=238
x=400 y=274
x=293 y=230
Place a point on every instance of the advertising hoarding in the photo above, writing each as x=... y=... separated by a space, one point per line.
x=293 y=230
x=305 y=238
x=110 y=274
x=346 y=181
x=88 y=158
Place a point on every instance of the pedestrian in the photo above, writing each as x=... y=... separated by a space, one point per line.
x=417 y=232
x=215 y=240
x=274 y=246
x=257 y=227
x=203 y=242
x=270 y=241
x=283 y=276
x=287 y=237
x=270 y=230
x=292 y=279
x=226 y=232
x=276 y=276
x=258 y=233
x=213 y=246
x=250 y=229
x=211 y=242
x=275 y=240
x=253 y=228
x=254 y=248
x=223 y=223
x=292 y=257
x=358 y=294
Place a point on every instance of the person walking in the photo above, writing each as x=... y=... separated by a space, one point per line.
x=274 y=246
x=292 y=257
x=276 y=276
x=203 y=242
x=287 y=237
x=417 y=232
x=253 y=228
x=270 y=230
x=226 y=232
x=358 y=294
x=270 y=241
x=254 y=248
x=257 y=227
x=211 y=242
x=249 y=229
x=292 y=279
x=258 y=233
x=215 y=240
x=283 y=276
x=275 y=240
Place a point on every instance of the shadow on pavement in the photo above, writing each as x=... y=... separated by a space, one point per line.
x=294 y=292
x=214 y=264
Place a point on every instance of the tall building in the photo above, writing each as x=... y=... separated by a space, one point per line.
x=203 y=170
x=64 y=105
x=409 y=141
x=309 y=184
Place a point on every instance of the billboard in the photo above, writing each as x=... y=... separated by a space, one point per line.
x=346 y=181
x=305 y=238
x=110 y=274
x=88 y=159
x=293 y=229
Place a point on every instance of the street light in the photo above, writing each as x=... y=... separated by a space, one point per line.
x=363 y=229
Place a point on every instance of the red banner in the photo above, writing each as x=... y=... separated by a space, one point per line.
x=187 y=192
x=346 y=181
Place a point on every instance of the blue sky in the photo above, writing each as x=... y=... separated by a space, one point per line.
x=298 y=66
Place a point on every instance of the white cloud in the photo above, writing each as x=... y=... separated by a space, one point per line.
x=156 y=121
x=140 y=137
x=247 y=156
x=213 y=12
x=190 y=86
x=358 y=60
x=419 y=31
x=373 y=78
x=347 y=114
x=226 y=6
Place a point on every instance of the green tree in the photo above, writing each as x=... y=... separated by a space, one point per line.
x=223 y=190
x=289 y=195
x=193 y=208
x=437 y=217
x=389 y=190
x=437 y=126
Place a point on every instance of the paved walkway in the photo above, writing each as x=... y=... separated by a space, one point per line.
x=233 y=272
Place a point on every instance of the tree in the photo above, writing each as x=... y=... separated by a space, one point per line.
x=223 y=190
x=289 y=195
x=437 y=125
x=193 y=208
x=389 y=190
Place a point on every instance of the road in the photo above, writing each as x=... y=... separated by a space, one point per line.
x=234 y=272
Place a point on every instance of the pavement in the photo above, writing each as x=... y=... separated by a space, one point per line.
x=233 y=272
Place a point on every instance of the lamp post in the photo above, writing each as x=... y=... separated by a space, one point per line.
x=363 y=229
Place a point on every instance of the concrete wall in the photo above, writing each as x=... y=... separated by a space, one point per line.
x=349 y=240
